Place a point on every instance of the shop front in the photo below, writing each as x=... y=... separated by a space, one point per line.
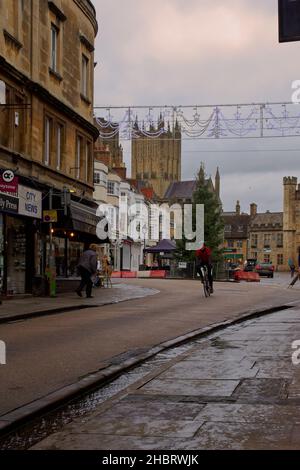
x=19 y=225
x=70 y=237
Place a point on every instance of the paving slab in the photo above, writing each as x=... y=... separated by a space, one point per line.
x=178 y=386
x=211 y=369
x=244 y=413
x=241 y=436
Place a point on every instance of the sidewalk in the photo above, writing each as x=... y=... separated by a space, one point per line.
x=235 y=390
x=17 y=309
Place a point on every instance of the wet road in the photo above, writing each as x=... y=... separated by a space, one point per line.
x=46 y=354
x=237 y=389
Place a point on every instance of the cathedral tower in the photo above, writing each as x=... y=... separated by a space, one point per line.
x=157 y=160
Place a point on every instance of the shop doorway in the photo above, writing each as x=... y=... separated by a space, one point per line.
x=1 y=253
x=15 y=255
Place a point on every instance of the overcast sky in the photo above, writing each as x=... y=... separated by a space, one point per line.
x=177 y=52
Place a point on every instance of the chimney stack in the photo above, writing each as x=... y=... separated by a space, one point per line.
x=253 y=209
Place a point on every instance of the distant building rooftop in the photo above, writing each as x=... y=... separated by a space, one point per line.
x=269 y=219
x=181 y=190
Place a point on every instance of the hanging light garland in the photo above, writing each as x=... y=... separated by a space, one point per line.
x=199 y=122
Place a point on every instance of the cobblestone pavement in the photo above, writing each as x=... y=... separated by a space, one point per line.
x=237 y=389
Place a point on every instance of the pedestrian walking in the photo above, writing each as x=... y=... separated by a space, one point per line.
x=295 y=279
x=292 y=267
x=87 y=268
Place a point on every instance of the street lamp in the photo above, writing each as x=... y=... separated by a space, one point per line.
x=144 y=230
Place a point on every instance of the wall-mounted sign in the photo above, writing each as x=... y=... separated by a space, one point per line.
x=182 y=265
x=50 y=216
x=8 y=182
x=9 y=203
x=30 y=202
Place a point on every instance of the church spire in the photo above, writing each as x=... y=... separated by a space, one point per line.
x=201 y=174
x=161 y=122
x=136 y=123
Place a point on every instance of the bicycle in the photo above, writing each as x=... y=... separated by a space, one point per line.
x=206 y=284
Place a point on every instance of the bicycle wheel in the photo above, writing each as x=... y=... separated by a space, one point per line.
x=206 y=287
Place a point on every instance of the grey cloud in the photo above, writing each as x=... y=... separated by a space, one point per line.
x=132 y=70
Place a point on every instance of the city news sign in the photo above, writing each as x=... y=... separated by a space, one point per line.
x=8 y=182
x=289 y=20
x=30 y=202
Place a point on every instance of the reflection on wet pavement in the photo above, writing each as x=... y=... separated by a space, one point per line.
x=236 y=389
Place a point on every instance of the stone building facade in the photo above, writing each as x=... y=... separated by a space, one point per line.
x=266 y=241
x=46 y=123
x=291 y=220
x=256 y=235
x=236 y=226
x=157 y=161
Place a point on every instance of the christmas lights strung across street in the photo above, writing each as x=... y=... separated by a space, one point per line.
x=239 y=121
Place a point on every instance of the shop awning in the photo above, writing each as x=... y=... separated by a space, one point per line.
x=84 y=218
x=164 y=246
x=233 y=256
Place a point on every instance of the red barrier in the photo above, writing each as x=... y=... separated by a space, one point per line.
x=129 y=275
x=254 y=277
x=116 y=275
x=246 y=276
x=158 y=274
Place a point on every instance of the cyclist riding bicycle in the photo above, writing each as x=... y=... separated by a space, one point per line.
x=204 y=258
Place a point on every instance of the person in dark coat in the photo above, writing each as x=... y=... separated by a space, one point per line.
x=87 y=268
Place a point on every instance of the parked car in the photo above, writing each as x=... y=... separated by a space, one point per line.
x=250 y=265
x=265 y=269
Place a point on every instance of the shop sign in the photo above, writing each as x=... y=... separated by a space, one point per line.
x=50 y=216
x=8 y=182
x=9 y=203
x=182 y=265
x=30 y=202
